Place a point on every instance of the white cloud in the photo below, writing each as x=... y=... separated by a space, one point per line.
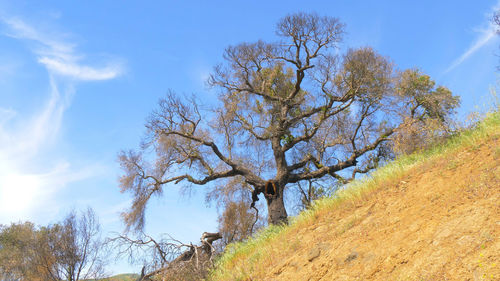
x=25 y=196
x=80 y=72
x=59 y=56
x=30 y=176
x=485 y=36
x=26 y=186
x=48 y=44
x=35 y=131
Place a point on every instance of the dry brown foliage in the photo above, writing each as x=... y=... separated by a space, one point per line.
x=70 y=250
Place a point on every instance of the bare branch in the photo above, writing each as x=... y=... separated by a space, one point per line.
x=350 y=162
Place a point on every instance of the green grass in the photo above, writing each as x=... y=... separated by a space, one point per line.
x=249 y=252
x=238 y=250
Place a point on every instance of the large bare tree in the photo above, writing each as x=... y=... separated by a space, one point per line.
x=290 y=111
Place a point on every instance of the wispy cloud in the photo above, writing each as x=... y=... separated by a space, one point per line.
x=80 y=72
x=28 y=185
x=31 y=196
x=21 y=184
x=485 y=36
x=60 y=57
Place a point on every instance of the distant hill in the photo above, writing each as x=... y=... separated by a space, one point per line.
x=120 y=277
x=428 y=216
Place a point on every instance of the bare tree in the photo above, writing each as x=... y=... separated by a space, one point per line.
x=237 y=222
x=289 y=112
x=152 y=253
x=72 y=250
x=168 y=257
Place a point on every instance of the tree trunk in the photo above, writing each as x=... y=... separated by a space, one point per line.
x=276 y=212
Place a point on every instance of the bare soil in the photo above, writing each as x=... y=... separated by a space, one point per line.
x=440 y=222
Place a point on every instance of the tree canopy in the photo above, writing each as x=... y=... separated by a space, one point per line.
x=289 y=111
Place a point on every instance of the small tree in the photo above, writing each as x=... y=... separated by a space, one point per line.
x=419 y=133
x=17 y=259
x=72 y=250
x=288 y=112
x=310 y=191
x=237 y=222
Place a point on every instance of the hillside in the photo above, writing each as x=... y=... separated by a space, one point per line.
x=122 y=277
x=429 y=216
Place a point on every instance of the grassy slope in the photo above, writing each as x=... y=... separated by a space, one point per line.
x=290 y=252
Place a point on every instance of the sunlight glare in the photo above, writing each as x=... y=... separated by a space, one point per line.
x=18 y=193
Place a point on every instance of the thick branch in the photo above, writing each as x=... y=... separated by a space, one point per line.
x=237 y=169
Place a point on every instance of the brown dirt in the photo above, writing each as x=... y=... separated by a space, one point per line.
x=440 y=222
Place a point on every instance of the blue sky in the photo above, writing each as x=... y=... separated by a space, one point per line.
x=79 y=78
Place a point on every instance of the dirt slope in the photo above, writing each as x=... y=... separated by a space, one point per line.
x=440 y=221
